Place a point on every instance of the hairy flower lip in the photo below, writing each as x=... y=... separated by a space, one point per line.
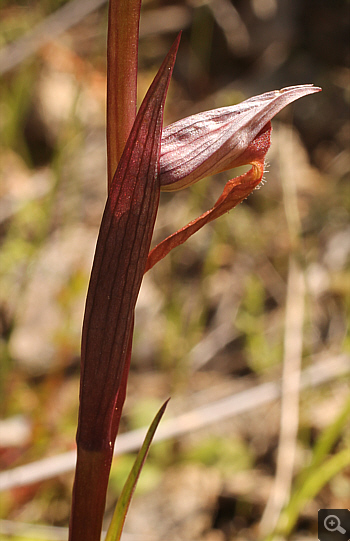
x=234 y=192
x=213 y=141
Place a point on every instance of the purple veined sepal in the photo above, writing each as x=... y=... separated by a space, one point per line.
x=214 y=141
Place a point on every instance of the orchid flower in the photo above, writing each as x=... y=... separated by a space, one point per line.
x=214 y=141
x=144 y=158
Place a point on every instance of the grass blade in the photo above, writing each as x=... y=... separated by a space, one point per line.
x=317 y=479
x=119 y=515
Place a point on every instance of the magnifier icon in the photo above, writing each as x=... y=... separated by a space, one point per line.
x=332 y=524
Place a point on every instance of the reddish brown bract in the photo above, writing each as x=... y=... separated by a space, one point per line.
x=120 y=259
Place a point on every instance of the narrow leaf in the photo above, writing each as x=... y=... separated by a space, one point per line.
x=119 y=515
x=312 y=485
x=324 y=443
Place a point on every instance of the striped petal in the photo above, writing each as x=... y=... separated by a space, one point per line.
x=214 y=141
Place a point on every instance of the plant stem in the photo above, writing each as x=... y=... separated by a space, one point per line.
x=92 y=471
x=122 y=54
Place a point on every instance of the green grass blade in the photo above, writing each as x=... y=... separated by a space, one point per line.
x=119 y=515
x=330 y=435
x=325 y=443
x=311 y=487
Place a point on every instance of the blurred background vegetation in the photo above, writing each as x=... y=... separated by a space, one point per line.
x=211 y=320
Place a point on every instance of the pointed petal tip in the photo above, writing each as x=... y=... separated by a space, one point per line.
x=175 y=45
x=302 y=89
